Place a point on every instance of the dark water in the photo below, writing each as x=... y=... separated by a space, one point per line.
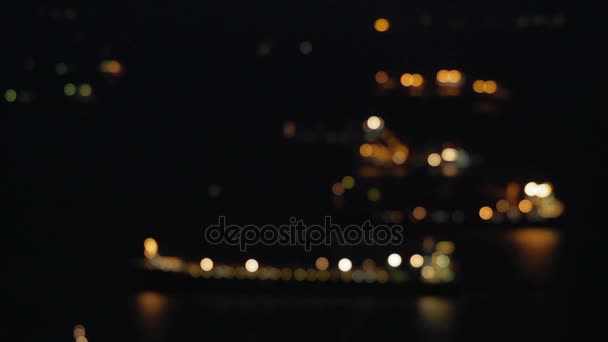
x=509 y=288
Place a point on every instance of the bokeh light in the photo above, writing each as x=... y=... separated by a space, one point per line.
x=150 y=248
x=544 y=190
x=399 y=157
x=407 y=80
x=486 y=213
x=374 y=122
x=69 y=89
x=374 y=194
x=322 y=263
x=345 y=265
x=251 y=265
x=502 y=205
x=419 y=213
x=85 y=90
x=337 y=189
x=428 y=272
x=434 y=159
x=366 y=150
x=206 y=264
x=449 y=154
x=490 y=87
x=416 y=260
x=478 y=86
x=531 y=189
x=381 y=77
x=10 y=95
x=394 y=260
x=382 y=25
x=525 y=206
x=348 y=182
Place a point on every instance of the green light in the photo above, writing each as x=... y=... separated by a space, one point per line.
x=10 y=95
x=61 y=68
x=69 y=89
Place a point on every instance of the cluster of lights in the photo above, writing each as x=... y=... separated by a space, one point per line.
x=450 y=160
x=79 y=333
x=391 y=151
x=112 y=67
x=84 y=90
x=539 y=203
x=347 y=183
x=412 y=80
x=433 y=268
x=449 y=77
x=487 y=87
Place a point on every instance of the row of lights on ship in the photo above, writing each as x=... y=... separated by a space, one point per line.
x=110 y=67
x=443 y=78
x=439 y=259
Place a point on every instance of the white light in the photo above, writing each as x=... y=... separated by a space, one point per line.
x=345 y=265
x=394 y=260
x=251 y=265
x=416 y=260
x=449 y=154
x=206 y=264
x=434 y=159
x=531 y=189
x=374 y=122
x=544 y=190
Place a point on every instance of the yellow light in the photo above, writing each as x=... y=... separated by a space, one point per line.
x=418 y=80
x=85 y=90
x=111 y=67
x=449 y=154
x=502 y=206
x=348 y=182
x=381 y=77
x=394 y=260
x=434 y=159
x=478 y=86
x=407 y=80
x=374 y=122
x=373 y=194
x=443 y=261
x=338 y=189
x=322 y=263
x=300 y=274
x=366 y=150
x=443 y=76
x=150 y=248
x=382 y=25
x=251 y=265
x=490 y=87
x=525 y=206
x=416 y=260
x=428 y=272
x=81 y=339
x=531 y=189
x=544 y=190
x=368 y=265
x=454 y=76
x=206 y=264
x=419 y=213
x=399 y=157
x=345 y=265
x=486 y=213
x=78 y=330
x=445 y=247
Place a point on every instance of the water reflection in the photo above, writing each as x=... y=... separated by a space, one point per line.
x=436 y=314
x=152 y=308
x=535 y=247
